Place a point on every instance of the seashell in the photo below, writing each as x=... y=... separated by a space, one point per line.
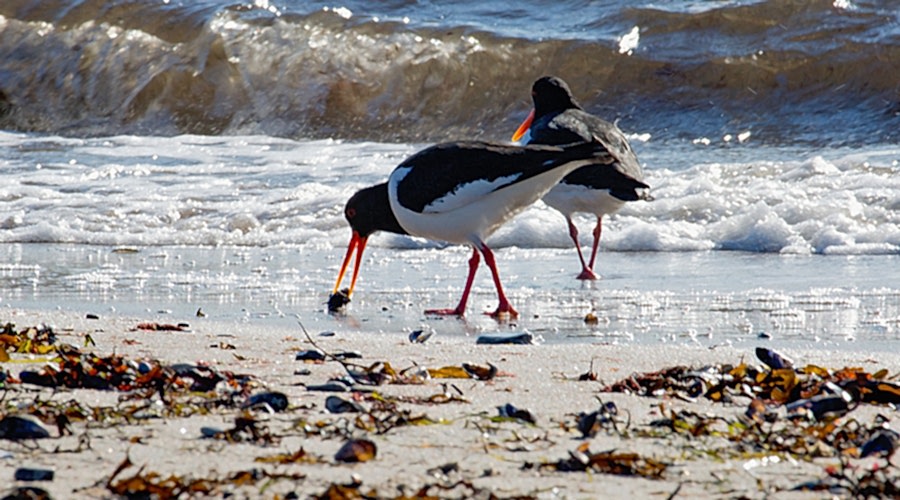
x=212 y=432
x=335 y=404
x=773 y=359
x=310 y=355
x=524 y=338
x=420 y=336
x=16 y=427
x=356 y=450
x=337 y=301
x=589 y=423
x=276 y=401
x=883 y=444
x=335 y=385
x=480 y=372
x=510 y=411
x=821 y=406
x=610 y=408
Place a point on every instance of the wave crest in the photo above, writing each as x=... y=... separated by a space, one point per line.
x=99 y=68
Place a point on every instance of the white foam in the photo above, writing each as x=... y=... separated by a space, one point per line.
x=260 y=191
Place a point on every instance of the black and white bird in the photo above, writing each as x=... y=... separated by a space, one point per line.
x=461 y=192
x=557 y=118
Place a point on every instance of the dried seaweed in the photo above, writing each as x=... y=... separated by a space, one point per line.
x=32 y=340
x=151 y=484
x=607 y=462
x=815 y=388
x=805 y=413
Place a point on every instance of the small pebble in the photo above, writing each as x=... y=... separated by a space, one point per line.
x=29 y=474
x=310 y=355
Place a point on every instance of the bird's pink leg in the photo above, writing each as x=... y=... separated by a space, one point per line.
x=504 y=308
x=461 y=307
x=586 y=272
x=597 y=230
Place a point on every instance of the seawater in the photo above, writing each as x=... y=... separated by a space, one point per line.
x=174 y=156
x=739 y=242
x=819 y=72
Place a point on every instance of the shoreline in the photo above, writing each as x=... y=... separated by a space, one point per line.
x=642 y=298
x=440 y=432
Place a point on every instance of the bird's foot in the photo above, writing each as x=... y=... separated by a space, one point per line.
x=504 y=312
x=444 y=312
x=588 y=274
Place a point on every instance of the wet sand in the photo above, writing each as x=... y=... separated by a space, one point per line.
x=449 y=433
x=703 y=298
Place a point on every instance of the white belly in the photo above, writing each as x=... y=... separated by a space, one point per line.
x=569 y=199
x=474 y=222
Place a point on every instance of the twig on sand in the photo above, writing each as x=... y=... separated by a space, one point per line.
x=675 y=493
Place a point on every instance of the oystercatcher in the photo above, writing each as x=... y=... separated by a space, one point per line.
x=461 y=192
x=557 y=118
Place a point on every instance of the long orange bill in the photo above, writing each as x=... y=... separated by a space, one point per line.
x=357 y=243
x=523 y=127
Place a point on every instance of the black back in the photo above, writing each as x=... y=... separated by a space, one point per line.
x=441 y=170
x=559 y=119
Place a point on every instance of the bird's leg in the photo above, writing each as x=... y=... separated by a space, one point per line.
x=461 y=307
x=504 y=308
x=597 y=230
x=586 y=273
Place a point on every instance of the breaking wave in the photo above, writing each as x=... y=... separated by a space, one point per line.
x=817 y=73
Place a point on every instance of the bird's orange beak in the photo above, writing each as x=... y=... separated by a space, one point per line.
x=523 y=127
x=357 y=243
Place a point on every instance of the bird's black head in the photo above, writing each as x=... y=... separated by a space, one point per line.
x=369 y=210
x=552 y=95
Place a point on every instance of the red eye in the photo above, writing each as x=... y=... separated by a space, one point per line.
x=351 y=213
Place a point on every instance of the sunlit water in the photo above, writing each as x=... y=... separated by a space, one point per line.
x=741 y=244
x=767 y=130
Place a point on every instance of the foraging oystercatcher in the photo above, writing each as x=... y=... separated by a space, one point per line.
x=557 y=118
x=461 y=192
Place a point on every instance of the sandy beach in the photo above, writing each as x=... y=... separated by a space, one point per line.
x=173 y=194
x=432 y=436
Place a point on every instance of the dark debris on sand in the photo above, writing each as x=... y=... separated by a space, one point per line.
x=787 y=409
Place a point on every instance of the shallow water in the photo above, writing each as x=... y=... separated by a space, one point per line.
x=706 y=298
x=740 y=240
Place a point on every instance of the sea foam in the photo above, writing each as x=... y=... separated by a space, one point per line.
x=260 y=191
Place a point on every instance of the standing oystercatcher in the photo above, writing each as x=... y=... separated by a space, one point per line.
x=601 y=189
x=461 y=192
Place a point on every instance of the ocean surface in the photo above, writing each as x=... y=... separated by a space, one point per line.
x=160 y=157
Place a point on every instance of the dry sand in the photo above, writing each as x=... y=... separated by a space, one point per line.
x=464 y=445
